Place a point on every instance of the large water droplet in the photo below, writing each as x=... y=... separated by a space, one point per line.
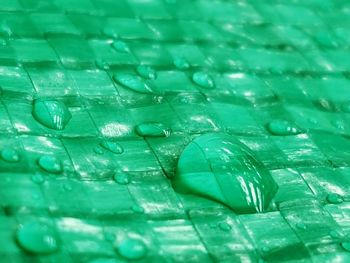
x=219 y=167
x=132 y=249
x=181 y=63
x=152 y=129
x=51 y=113
x=132 y=82
x=203 y=79
x=37 y=238
x=50 y=164
x=10 y=155
x=282 y=127
x=121 y=46
x=112 y=147
x=146 y=72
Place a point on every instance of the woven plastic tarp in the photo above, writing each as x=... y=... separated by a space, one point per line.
x=174 y=131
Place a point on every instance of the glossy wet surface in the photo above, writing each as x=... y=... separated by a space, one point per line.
x=174 y=131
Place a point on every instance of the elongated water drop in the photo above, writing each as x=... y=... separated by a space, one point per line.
x=121 y=46
x=335 y=234
x=50 y=164
x=137 y=209
x=51 y=113
x=282 y=127
x=152 y=129
x=37 y=238
x=132 y=82
x=112 y=147
x=132 y=249
x=334 y=198
x=203 y=79
x=224 y=226
x=146 y=72
x=219 y=167
x=9 y=155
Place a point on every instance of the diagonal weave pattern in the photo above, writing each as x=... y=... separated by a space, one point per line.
x=269 y=60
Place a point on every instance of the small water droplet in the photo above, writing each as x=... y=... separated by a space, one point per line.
x=152 y=129
x=110 y=32
x=98 y=150
x=203 y=79
x=334 y=198
x=325 y=104
x=51 y=113
x=312 y=120
x=181 y=63
x=10 y=155
x=282 y=127
x=132 y=82
x=121 y=46
x=113 y=147
x=50 y=164
x=228 y=173
x=102 y=64
x=37 y=238
x=346 y=246
x=300 y=225
x=137 y=209
x=335 y=234
x=121 y=178
x=38 y=178
x=339 y=124
x=225 y=226
x=67 y=187
x=146 y=72
x=132 y=249
x=213 y=225
x=3 y=42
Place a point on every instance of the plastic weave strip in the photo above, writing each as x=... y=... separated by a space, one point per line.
x=101 y=98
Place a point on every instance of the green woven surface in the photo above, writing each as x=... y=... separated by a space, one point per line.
x=266 y=61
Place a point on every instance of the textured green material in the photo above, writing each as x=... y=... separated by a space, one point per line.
x=174 y=131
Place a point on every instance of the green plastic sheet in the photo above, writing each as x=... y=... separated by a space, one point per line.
x=174 y=131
